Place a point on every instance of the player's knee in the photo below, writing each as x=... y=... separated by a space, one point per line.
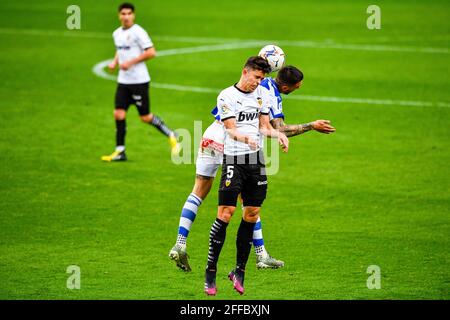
x=225 y=213
x=251 y=214
x=147 y=118
x=120 y=114
x=202 y=186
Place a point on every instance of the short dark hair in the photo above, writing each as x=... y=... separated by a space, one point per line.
x=289 y=75
x=126 y=5
x=258 y=63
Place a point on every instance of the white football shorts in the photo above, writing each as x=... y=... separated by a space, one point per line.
x=210 y=153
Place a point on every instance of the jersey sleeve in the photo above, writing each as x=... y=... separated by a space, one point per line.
x=276 y=108
x=114 y=38
x=275 y=101
x=143 y=39
x=265 y=107
x=225 y=107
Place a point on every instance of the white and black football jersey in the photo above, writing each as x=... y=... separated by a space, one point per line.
x=245 y=108
x=131 y=43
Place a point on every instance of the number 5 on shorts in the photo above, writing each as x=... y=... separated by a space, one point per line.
x=230 y=172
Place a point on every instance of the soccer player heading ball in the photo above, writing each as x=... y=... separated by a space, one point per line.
x=210 y=157
x=133 y=48
x=243 y=169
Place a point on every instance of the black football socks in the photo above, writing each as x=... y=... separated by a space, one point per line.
x=244 y=241
x=216 y=240
x=120 y=132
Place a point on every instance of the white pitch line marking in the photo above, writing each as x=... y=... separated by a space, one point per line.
x=209 y=48
x=328 y=44
x=98 y=69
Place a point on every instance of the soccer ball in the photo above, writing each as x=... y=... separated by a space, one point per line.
x=274 y=55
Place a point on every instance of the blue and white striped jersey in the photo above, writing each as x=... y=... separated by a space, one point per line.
x=276 y=103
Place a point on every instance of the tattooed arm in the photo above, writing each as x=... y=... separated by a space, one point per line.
x=268 y=130
x=291 y=130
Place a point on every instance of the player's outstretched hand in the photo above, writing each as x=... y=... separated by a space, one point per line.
x=284 y=141
x=323 y=126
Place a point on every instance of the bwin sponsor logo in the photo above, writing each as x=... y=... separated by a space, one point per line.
x=247 y=116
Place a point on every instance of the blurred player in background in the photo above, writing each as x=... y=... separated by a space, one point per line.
x=133 y=48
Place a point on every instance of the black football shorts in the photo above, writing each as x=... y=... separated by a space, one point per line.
x=245 y=175
x=137 y=94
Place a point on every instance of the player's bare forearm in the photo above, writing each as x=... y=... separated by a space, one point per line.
x=266 y=127
x=114 y=62
x=146 y=55
x=230 y=127
x=237 y=136
x=291 y=130
x=268 y=130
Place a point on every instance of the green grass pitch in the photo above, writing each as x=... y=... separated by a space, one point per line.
x=374 y=193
